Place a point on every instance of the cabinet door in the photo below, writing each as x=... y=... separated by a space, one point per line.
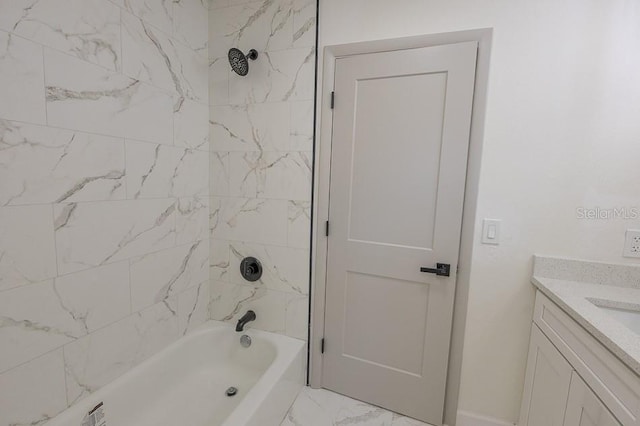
x=547 y=383
x=584 y=408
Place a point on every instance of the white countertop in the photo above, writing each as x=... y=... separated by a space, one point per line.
x=577 y=299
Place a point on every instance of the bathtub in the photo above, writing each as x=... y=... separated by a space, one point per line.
x=185 y=384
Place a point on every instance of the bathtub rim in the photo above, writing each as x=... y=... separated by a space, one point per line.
x=287 y=349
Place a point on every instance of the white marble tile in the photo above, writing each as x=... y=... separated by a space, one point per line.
x=191 y=126
x=239 y=2
x=191 y=176
x=151 y=169
x=33 y=321
x=156 y=171
x=219 y=172
x=41 y=164
x=156 y=12
x=36 y=318
x=21 y=80
x=283 y=75
x=297 y=317
x=99 y=358
x=89 y=98
x=216 y=4
x=150 y=55
x=192 y=220
x=301 y=135
x=259 y=127
x=230 y=301
x=195 y=71
x=160 y=276
x=219 y=69
x=299 y=225
x=27 y=249
x=319 y=407
x=193 y=307
x=96 y=297
x=34 y=392
x=304 y=23
x=262 y=25
x=250 y=220
x=283 y=268
x=219 y=260
x=87 y=29
x=280 y=175
x=190 y=23
x=97 y=233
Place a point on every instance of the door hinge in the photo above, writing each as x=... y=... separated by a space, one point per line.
x=333 y=99
x=322 y=345
x=326 y=228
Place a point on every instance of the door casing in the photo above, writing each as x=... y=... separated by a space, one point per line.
x=322 y=171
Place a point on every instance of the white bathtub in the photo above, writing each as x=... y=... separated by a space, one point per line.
x=185 y=384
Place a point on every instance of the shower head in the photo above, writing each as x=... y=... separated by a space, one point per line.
x=240 y=62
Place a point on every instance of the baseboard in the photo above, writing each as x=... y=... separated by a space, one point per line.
x=470 y=419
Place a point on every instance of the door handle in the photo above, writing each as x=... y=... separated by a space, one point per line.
x=441 y=270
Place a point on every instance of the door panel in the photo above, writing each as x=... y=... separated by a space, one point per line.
x=382 y=149
x=398 y=169
x=370 y=334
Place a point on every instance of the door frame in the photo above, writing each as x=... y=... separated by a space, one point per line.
x=321 y=182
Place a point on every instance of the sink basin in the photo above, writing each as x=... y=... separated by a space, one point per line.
x=625 y=313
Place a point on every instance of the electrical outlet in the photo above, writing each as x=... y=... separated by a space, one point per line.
x=632 y=243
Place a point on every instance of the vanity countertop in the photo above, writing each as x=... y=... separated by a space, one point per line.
x=593 y=295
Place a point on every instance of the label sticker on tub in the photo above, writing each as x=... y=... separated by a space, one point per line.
x=95 y=417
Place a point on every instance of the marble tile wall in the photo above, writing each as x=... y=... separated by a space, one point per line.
x=104 y=192
x=261 y=129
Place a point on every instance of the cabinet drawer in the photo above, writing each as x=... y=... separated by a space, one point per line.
x=613 y=382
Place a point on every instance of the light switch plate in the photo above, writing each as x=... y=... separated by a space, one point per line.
x=632 y=243
x=491 y=231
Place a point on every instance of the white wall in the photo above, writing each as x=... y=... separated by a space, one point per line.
x=562 y=132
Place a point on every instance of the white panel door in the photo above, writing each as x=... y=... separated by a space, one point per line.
x=398 y=169
x=547 y=382
x=584 y=408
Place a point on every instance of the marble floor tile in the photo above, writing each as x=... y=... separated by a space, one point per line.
x=320 y=407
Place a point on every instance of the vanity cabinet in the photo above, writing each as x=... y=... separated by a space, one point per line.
x=549 y=376
x=584 y=408
x=572 y=379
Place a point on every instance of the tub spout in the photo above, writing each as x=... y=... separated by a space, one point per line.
x=249 y=316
